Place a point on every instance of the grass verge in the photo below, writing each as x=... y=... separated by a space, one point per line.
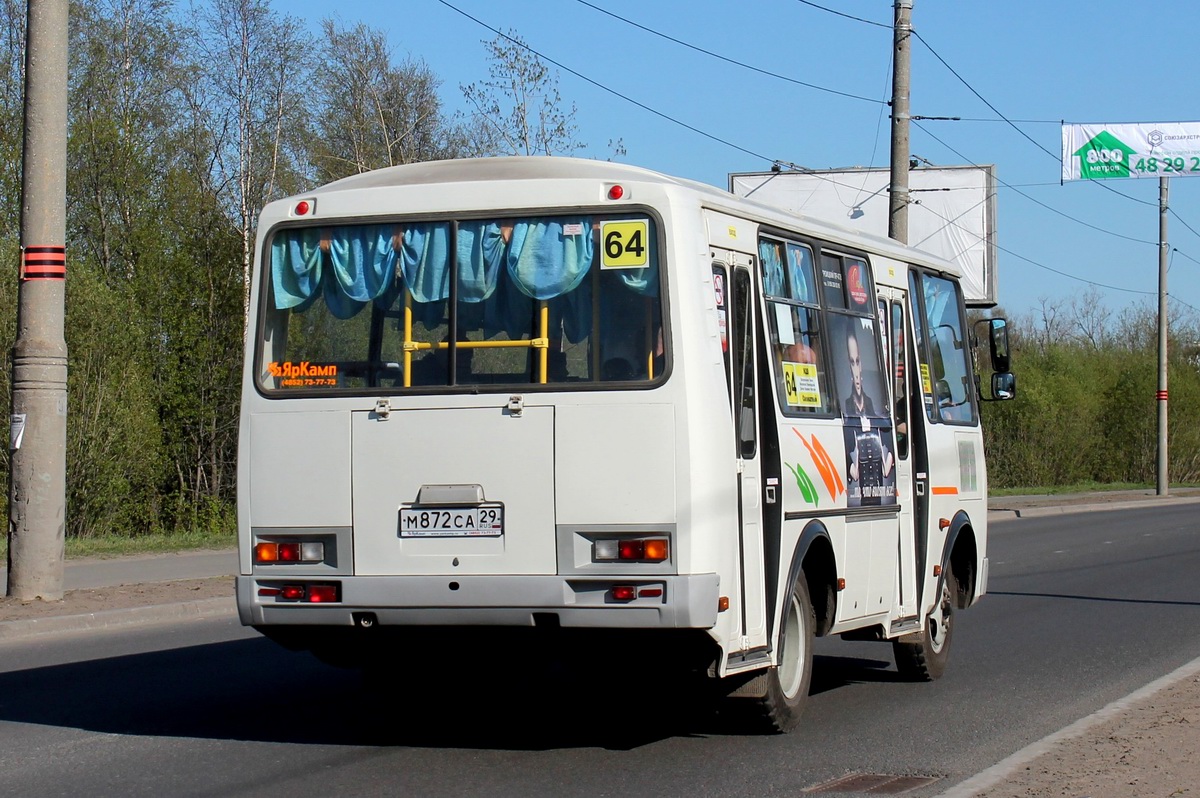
x=121 y=546
x=1079 y=487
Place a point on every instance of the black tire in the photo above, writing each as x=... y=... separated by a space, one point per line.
x=779 y=709
x=922 y=656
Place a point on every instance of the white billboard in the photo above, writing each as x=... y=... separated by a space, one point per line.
x=952 y=211
x=1107 y=152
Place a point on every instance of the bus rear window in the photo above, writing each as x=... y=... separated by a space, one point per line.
x=501 y=302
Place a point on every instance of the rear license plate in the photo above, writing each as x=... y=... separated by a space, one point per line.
x=486 y=520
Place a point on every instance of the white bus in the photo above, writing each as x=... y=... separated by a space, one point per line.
x=582 y=397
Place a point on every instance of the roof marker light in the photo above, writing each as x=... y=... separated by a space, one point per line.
x=615 y=192
x=302 y=208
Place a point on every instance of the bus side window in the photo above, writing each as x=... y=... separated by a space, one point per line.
x=742 y=343
x=899 y=379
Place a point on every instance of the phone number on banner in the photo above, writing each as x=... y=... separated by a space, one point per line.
x=1167 y=165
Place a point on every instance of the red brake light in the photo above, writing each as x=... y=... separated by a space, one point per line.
x=289 y=552
x=320 y=594
x=292 y=592
x=624 y=593
x=631 y=549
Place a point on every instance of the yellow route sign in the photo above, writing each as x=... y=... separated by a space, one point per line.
x=625 y=244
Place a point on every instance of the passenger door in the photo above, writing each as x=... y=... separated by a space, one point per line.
x=734 y=278
x=895 y=321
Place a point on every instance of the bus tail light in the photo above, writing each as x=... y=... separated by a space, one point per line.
x=323 y=593
x=631 y=550
x=631 y=592
x=269 y=551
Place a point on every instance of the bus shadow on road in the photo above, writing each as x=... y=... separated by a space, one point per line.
x=834 y=672
x=254 y=690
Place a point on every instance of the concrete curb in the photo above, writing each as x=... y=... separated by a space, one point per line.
x=1005 y=514
x=111 y=619
x=998 y=772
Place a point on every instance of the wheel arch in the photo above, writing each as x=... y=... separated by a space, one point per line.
x=960 y=555
x=814 y=558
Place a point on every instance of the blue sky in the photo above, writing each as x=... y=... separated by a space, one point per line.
x=1036 y=62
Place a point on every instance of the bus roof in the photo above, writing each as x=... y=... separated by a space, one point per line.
x=474 y=170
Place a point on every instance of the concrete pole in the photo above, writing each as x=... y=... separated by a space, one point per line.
x=902 y=43
x=1162 y=338
x=38 y=441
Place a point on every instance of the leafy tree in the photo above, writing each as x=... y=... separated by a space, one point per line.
x=518 y=108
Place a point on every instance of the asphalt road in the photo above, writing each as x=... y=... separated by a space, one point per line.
x=1084 y=609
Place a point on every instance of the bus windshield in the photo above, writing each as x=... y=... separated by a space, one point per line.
x=503 y=302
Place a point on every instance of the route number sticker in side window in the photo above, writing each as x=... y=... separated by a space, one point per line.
x=625 y=244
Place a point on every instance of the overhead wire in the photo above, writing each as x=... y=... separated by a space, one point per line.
x=978 y=238
x=1180 y=219
x=1037 y=201
x=777 y=162
x=611 y=91
x=728 y=60
x=847 y=16
x=643 y=106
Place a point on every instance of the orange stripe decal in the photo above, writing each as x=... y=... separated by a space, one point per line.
x=951 y=491
x=823 y=469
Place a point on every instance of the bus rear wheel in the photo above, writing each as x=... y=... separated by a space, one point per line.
x=922 y=656
x=782 y=703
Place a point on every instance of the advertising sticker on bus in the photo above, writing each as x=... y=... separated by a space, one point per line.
x=867 y=426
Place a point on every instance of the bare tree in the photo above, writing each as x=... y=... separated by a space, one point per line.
x=253 y=91
x=375 y=112
x=519 y=106
x=1090 y=318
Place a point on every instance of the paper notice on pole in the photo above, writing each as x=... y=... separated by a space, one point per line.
x=16 y=430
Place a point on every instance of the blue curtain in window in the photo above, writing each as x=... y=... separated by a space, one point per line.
x=800 y=273
x=295 y=266
x=550 y=257
x=772 y=269
x=363 y=263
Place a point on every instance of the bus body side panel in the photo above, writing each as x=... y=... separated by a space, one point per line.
x=957 y=482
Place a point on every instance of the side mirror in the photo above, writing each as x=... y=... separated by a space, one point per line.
x=998 y=337
x=1004 y=386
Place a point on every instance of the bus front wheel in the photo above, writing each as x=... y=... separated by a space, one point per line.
x=922 y=656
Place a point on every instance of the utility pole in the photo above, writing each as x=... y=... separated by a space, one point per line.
x=1162 y=337
x=901 y=58
x=38 y=424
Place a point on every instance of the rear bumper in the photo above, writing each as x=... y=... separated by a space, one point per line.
x=686 y=602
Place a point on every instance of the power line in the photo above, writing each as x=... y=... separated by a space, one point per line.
x=847 y=16
x=977 y=237
x=1037 y=201
x=727 y=60
x=1183 y=254
x=983 y=99
x=1180 y=220
x=613 y=92
x=774 y=161
x=987 y=119
x=1011 y=124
